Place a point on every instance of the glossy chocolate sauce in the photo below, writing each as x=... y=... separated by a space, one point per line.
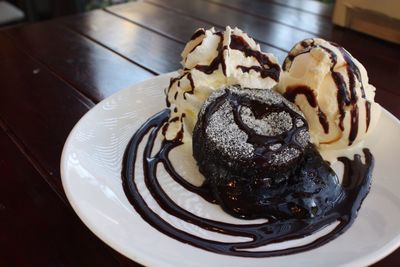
x=292 y=92
x=218 y=60
x=266 y=68
x=356 y=184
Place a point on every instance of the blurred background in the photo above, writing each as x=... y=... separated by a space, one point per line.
x=18 y=11
x=377 y=18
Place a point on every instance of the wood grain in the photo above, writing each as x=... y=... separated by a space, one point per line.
x=382 y=59
x=308 y=6
x=37 y=106
x=304 y=21
x=36 y=228
x=89 y=67
x=166 y=22
x=144 y=47
x=272 y=33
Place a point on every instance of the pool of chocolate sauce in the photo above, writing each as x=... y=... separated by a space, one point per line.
x=355 y=184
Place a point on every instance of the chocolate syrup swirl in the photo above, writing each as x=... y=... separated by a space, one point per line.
x=356 y=183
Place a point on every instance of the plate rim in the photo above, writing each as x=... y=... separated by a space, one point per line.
x=365 y=260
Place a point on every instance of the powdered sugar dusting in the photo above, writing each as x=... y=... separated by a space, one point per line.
x=232 y=140
x=226 y=135
x=273 y=124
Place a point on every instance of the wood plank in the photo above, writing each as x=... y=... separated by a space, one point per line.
x=310 y=6
x=167 y=22
x=275 y=34
x=36 y=228
x=381 y=59
x=38 y=107
x=161 y=20
x=391 y=260
x=92 y=69
x=147 y=48
x=295 y=18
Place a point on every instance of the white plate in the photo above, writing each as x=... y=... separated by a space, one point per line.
x=91 y=166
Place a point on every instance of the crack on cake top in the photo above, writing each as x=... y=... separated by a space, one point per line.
x=272 y=124
x=232 y=140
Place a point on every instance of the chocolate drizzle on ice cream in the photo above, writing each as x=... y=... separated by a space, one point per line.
x=329 y=71
x=211 y=60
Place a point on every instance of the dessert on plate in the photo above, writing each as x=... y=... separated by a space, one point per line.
x=256 y=132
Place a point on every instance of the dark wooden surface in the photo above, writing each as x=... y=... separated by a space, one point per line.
x=52 y=73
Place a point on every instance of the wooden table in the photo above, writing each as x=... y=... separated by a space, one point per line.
x=52 y=73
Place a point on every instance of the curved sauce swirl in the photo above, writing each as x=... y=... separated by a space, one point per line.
x=356 y=184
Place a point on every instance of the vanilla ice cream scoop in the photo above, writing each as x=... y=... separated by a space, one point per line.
x=212 y=60
x=331 y=88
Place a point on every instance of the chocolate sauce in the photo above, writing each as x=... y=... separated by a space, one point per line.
x=352 y=70
x=258 y=185
x=198 y=33
x=323 y=121
x=368 y=114
x=356 y=183
x=267 y=67
x=194 y=47
x=292 y=92
x=263 y=72
x=218 y=60
x=189 y=77
x=346 y=95
x=353 y=124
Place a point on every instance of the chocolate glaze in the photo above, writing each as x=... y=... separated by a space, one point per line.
x=189 y=77
x=267 y=68
x=261 y=143
x=355 y=186
x=323 y=121
x=254 y=188
x=292 y=92
x=368 y=114
x=198 y=33
x=218 y=60
x=354 y=124
x=194 y=47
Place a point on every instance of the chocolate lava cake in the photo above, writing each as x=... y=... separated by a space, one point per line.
x=253 y=148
